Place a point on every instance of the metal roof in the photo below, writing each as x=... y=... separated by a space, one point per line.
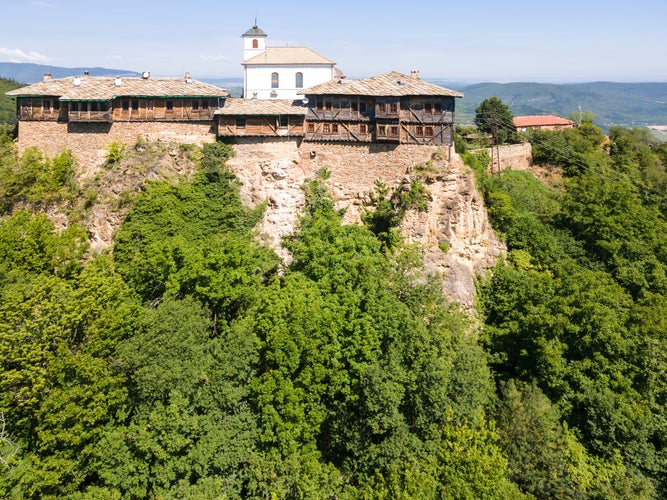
x=392 y=84
x=236 y=106
x=91 y=88
x=254 y=31
x=294 y=56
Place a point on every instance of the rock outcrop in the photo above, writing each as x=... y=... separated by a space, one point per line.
x=454 y=233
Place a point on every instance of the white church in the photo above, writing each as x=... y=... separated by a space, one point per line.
x=280 y=72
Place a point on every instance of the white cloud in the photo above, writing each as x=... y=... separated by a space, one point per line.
x=18 y=55
x=214 y=58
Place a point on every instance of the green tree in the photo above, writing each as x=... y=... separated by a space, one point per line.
x=494 y=117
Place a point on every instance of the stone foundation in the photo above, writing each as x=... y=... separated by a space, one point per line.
x=87 y=141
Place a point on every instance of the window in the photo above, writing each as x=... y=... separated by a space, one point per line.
x=205 y=104
x=363 y=129
x=327 y=106
x=126 y=104
x=195 y=105
x=240 y=122
x=283 y=121
x=438 y=107
x=151 y=104
x=274 y=80
x=393 y=131
x=428 y=131
x=255 y=44
x=311 y=127
x=362 y=107
x=74 y=106
x=46 y=104
x=104 y=106
x=299 y=80
x=334 y=128
x=326 y=128
x=382 y=130
x=428 y=107
x=354 y=106
x=420 y=131
x=56 y=104
x=135 y=104
x=170 y=106
x=382 y=107
x=319 y=105
x=393 y=107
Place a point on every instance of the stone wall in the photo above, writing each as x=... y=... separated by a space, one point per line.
x=88 y=140
x=514 y=156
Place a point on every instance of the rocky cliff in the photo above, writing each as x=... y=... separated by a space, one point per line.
x=454 y=233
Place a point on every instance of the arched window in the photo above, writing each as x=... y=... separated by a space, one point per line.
x=255 y=44
x=274 y=80
x=299 y=80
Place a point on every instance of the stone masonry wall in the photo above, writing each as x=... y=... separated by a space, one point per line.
x=515 y=156
x=87 y=140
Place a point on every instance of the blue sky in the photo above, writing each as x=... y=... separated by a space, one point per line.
x=459 y=41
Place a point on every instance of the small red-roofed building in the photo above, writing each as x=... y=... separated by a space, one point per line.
x=541 y=122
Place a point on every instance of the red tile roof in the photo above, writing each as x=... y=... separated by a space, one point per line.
x=541 y=121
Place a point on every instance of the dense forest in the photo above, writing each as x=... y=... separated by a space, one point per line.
x=191 y=362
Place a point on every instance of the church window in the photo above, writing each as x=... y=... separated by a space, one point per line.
x=255 y=44
x=299 y=80
x=274 y=80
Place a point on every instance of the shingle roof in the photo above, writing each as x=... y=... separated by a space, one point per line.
x=237 y=106
x=103 y=88
x=288 y=55
x=540 y=121
x=388 y=84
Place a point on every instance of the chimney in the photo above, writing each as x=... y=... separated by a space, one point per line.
x=47 y=77
x=415 y=73
x=188 y=78
x=117 y=81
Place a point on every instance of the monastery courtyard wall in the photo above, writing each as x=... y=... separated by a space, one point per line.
x=87 y=141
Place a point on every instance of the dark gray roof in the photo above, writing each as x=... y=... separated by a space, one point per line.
x=254 y=31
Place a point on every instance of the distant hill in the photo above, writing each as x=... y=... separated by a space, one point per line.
x=625 y=104
x=31 y=73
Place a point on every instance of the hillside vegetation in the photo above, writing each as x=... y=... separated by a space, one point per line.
x=7 y=104
x=190 y=362
x=613 y=104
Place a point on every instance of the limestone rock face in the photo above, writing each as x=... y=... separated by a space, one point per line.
x=454 y=233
